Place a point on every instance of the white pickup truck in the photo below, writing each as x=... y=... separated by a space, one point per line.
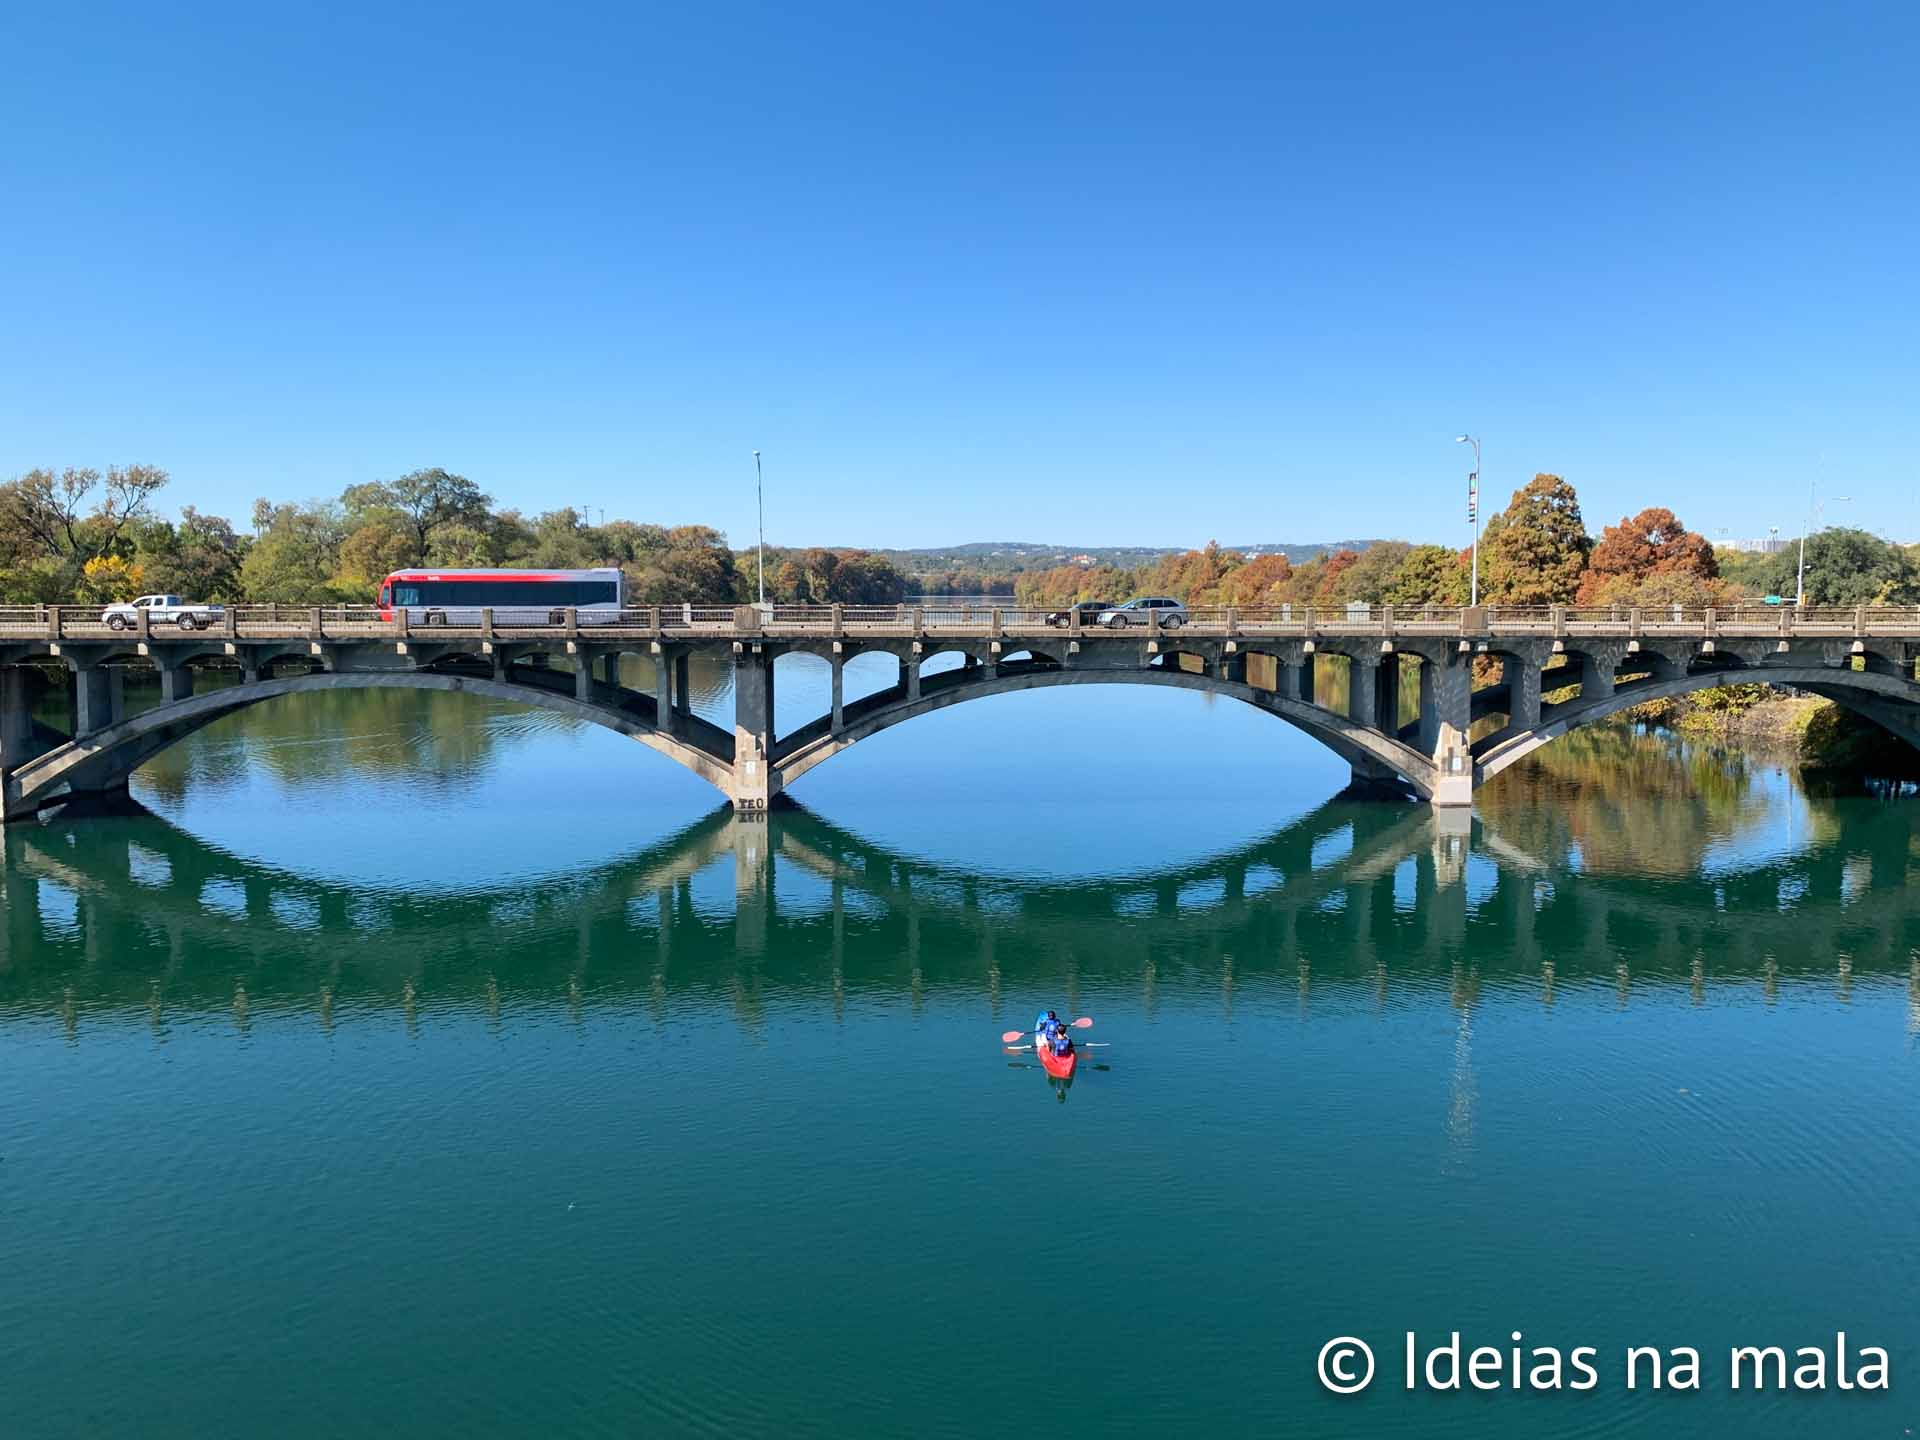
x=160 y=610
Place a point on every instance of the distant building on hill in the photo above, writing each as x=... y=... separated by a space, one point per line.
x=1772 y=545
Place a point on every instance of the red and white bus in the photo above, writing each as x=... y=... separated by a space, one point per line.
x=516 y=597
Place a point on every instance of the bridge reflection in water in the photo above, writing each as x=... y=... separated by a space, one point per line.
x=1352 y=903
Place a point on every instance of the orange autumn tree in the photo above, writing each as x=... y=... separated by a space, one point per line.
x=1630 y=554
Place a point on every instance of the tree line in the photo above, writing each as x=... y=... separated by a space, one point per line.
x=80 y=536
x=1535 y=552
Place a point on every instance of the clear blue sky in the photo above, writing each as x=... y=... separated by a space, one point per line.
x=1111 y=273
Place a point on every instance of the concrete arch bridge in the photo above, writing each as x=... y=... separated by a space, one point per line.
x=1411 y=715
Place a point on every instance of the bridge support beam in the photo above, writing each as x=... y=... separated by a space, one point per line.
x=754 y=782
x=176 y=684
x=93 y=697
x=1363 y=688
x=1386 y=695
x=1522 y=677
x=1446 y=693
x=838 y=722
x=1597 y=669
x=16 y=722
x=1286 y=678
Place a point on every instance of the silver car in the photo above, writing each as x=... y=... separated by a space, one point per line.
x=1170 y=613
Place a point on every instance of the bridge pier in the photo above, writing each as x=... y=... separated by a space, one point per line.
x=1597 y=669
x=176 y=684
x=838 y=720
x=1363 y=687
x=1446 y=707
x=16 y=722
x=93 y=697
x=1386 y=694
x=1522 y=677
x=754 y=781
x=663 y=688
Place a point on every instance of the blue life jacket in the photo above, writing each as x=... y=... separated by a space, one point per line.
x=1062 y=1042
x=1045 y=1027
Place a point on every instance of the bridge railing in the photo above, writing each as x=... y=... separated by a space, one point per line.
x=974 y=619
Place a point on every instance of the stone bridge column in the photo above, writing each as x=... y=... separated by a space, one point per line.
x=1386 y=694
x=16 y=720
x=1448 y=685
x=1522 y=676
x=753 y=780
x=1363 y=688
x=176 y=684
x=93 y=708
x=1597 y=669
x=663 y=688
x=682 y=689
x=1304 y=685
x=838 y=660
x=1286 y=678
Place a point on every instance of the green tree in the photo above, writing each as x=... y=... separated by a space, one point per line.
x=694 y=564
x=198 y=557
x=296 y=556
x=52 y=525
x=371 y=551
x=1535 y=551
x=1368 y=578
x=1428 y=575
x=421 y=502
x=1846 y=567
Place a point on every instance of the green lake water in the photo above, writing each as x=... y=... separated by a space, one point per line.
x=421 y=1067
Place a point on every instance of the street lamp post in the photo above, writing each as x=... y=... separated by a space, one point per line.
x=1814 y=510
x=1473 y=509
x=760 y=503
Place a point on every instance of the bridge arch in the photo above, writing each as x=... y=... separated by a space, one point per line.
x=1888 y=700
x=105 y=759
x=1358 y=744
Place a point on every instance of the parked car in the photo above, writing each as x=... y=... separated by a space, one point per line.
x=1170 y=613
x=1090 y=612
x=161 y=610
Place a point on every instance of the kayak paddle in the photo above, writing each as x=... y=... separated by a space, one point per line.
x=1083 y=1023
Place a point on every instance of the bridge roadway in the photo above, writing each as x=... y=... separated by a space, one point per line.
x=107 y=924
x=1438 y=700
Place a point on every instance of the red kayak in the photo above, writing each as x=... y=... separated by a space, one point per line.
x=1058 y=1066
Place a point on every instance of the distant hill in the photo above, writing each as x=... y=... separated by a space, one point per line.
x=1012 y=557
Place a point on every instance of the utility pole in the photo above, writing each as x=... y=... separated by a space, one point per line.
x=1473 y=509
x=760 y=500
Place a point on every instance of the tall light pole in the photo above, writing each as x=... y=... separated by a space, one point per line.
x=1814 y=511
x=760 y=501
x=1473 y=509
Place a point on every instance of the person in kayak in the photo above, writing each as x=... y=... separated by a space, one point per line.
x=1061 y=1041
x=1046 y=1027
